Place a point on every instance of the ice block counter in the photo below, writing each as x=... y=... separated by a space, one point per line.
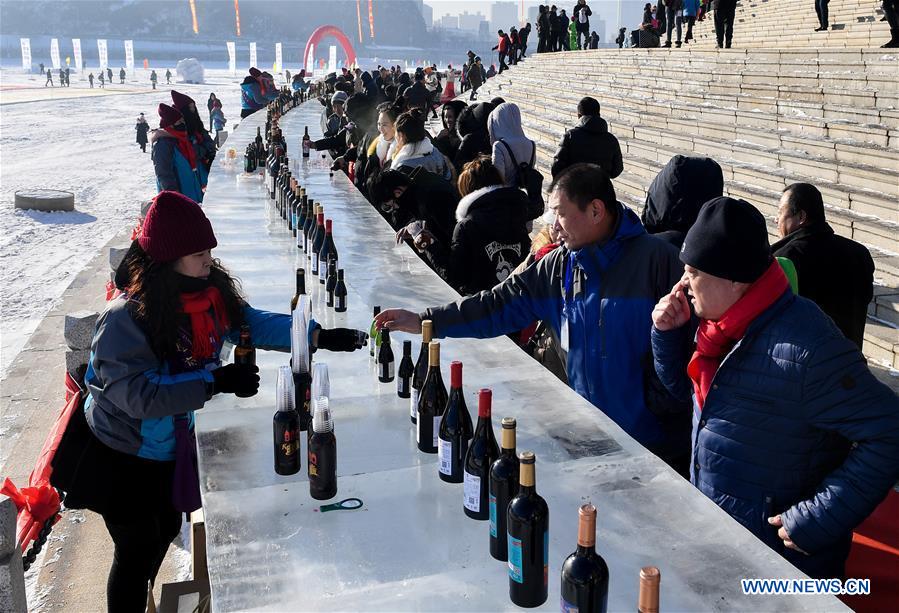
x=410 y=546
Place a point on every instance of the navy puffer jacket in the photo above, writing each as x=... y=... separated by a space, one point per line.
x=795 y=424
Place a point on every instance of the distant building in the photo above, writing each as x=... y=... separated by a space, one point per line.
x=599 y=26
x=427 y=13
x=470 y=22
x=484 y=32
x=503 y=15
x=449 y=22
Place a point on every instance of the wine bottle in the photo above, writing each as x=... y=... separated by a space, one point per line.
x=405 y=371
x=331 y=285
x=431 y=402
x=308 y=225
x=295 y=208
x=286 y=425
x=327 y=252
x=482 y=453
x=273 y=179
x=301 y=216
x=454 y=433
x=503 y=487
x=291 y=204
x=259 y=137
x=528 y=532
x=421 y=367
x=585 y=575
x=322 y=460
x=385 y=358
x=340 y=293
x=650 y=578
x=317 y=245
x=301 y=288
x=307 y=143
x=245 y=352
x=373 y=332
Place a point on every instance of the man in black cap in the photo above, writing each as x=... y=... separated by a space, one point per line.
x=792 y=434
x=835 y=272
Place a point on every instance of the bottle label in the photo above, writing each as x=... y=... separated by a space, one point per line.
x=471 y=487
x=492 y=515
x=402 y=385
x=445 y=456
x=315 y=263
x=386 y=370
x=515 y=573
x=567 y=607
x=437 y=420
x=340 y=302
x=413 y=403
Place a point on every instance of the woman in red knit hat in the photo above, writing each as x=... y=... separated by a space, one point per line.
x=131 y=454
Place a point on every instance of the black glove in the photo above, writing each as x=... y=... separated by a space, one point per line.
x=242 y=381
x=342 y=339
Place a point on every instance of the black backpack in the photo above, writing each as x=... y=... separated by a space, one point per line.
x=530 y=180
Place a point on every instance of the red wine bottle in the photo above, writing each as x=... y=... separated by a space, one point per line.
x=404 y=372
x=327 y=253
x=318 y=241
x=650 y=578
x=431 y=402
x=503 y=488
x=455 y=430
x=309 y=225
x=340 y=293
x=385 y=358
x=322 y=460
x=528 y=532
x=482 y=453
x=331 y=285
x=421 y=367
x=307 y=143
x=585 y=575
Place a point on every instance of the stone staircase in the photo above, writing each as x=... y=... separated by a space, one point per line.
x=770 y=118
x=776 y=24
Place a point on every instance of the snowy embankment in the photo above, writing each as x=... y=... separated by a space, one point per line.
x=86 y=145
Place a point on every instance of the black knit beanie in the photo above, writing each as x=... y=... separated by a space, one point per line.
x=728 y=240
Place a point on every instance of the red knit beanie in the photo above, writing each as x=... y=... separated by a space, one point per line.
x=175 y=226
x=168 y=116
x=180 y=101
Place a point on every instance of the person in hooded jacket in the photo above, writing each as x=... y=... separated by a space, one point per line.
x=196 y=130
x=475 y=77
x=448 y=140
x=218 y=119
x=510 y=147
x=142 y=128
x=581 y=16
x=473 y=130
x=676 y=195
x=414 y=148
x=251 y=98
x=130 y=454
x=590 y=141
x=490 y=238
x=174 y=156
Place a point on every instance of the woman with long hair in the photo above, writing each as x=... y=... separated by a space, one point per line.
x=130 y=455
x=414 y=149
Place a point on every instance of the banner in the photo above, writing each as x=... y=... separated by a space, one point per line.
x=232 y=58
x=278 y=58
x=102 y=51
x=332 y=58
x=253 y=54
x=26 y=54
x=76 y=51
x=54 y=53
x=129 y=55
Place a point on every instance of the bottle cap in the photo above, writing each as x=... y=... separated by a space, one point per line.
x=456 y=374
x=586 y=531
x=527 y=457
x=434 y=353
x=485 y=402
x=321 y=218
x=427 y=331
x=375 y=311
x=328 y=226
x=340 y=274
x=385 y=336
x=509 y=423
x=648 y=601
x=407 y=348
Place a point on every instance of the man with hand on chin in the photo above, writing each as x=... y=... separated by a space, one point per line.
x=597 y=292
x=792 y=434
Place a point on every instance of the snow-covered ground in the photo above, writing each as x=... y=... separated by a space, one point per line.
x=79 y=140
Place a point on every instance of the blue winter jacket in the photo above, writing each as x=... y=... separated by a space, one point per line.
x=134 y=397
x=600 y=297
x=691 y=8
x=173 y=171
x=794 y=424
x=251 y=97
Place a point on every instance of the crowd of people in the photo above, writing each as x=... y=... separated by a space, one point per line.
x=724 y=355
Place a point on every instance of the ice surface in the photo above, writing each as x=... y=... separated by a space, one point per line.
x=411 y=547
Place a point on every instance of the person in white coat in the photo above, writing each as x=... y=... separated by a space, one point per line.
x=510 y=145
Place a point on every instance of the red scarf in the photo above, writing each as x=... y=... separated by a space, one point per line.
x=715 y=339
x=184 y=146
x=206 y=328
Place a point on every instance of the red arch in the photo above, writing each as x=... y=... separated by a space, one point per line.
x=325 y=31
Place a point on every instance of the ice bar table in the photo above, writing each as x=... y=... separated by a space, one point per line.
x=410 y=547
